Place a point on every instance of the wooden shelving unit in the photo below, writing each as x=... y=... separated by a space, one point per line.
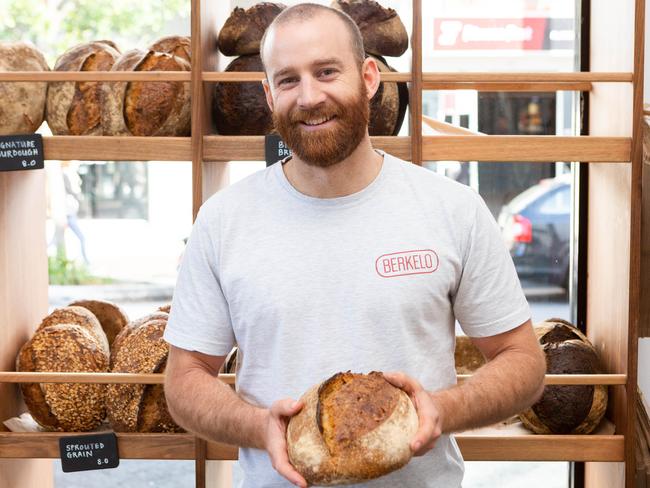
x=612 y=149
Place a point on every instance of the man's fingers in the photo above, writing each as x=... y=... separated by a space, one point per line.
x=289 y=472
x=286 y=408
x=400 y=380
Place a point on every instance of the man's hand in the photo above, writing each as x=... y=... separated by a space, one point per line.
x=276 y=439
x=430 y=422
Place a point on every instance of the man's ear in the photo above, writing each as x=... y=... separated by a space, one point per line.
x=267 y=93
x=370 y=75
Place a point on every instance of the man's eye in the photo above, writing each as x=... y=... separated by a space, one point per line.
x=285 y=81
x=328 y=72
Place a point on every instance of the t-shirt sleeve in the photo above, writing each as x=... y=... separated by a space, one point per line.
x=200 y=317
x=489 y=299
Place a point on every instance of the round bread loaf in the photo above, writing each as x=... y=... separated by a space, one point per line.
x=388 y=105
x=128 y=329
x=175 y=45
x=75 y=108
x=567 y=409
x=165 y=308
x=467 y=356
x=243 y=30
x=23 y=104
x=241 y=108
x=68 y=407
x=148 y=108
x=352 y=428
x=78 y=316
x=137 y=407
x=382 y=30
x=111 y=317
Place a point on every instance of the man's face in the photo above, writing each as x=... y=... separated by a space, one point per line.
x=318 y=96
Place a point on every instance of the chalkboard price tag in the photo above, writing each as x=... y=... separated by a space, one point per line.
x=275 y=149
x=88 y=452
x=21 y=152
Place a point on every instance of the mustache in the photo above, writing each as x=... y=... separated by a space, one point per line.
x=300 y=115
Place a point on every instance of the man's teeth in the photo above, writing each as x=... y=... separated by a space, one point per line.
x=316 y=121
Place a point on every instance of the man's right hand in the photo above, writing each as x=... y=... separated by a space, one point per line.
x=275 y=439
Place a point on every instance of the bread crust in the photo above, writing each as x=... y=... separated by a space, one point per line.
x=68 y=407
x=243 y=30
x=79 y=316
x=388 y=104
x=111 y=317
x=381 y=28
x=371 y=426
x=74 y=108
x=179 y=46
x=23 y=104
x=148 y=108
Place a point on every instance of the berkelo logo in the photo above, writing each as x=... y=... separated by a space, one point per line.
x=403 y=263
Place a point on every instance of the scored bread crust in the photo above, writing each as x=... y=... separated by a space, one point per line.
x=138 y=407
x=82 y=317
x=111 y=317
x=74 y=108
x=176 y=45
x=350 y=455
x=23 y=104
x=148 y=108
x=243 y=30
x=68 y=407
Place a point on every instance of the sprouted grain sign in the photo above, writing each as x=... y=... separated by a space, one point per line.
x=21 y=152
x=88 y=452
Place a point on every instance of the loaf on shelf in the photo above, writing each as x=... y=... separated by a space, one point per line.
x=148 y=108
x=140 y=348
x=467 y=356
x=78 y=316
x=179 y=46
x=243 y=30
x=75 y=108
x=111 y=317
x=23 y=104
x=382 y=29
x=567 y=409
x=352 y=428
x=64 y=347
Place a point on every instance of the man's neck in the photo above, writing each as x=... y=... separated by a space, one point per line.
x=349 y=176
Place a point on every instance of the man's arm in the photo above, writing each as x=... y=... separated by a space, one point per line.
x=201 y=403
x=507 y=384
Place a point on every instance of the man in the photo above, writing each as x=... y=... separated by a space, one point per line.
x=342 y=258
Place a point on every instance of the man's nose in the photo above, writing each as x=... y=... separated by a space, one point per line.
x=310 y=94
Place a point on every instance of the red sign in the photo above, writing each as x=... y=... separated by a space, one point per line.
x=489 y=34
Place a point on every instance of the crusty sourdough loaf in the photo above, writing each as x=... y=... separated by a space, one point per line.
x=78 y=316
x=176 y=45
x=467 y=356
x=68 y=407
x=567 y=409
x=138 y=407
x=111 y=317
x=352 y=428
x=148 y=108
x=75 y=108
x=382 y=30
x=243 y=30
x=241 y=108
x=388 y=105
x=23 y=104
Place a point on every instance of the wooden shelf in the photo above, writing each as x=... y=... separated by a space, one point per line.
x=475 y=446
x=107 y=148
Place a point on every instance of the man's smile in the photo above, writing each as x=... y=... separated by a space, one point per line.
x=317 y=123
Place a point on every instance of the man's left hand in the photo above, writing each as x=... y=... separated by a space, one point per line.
x=430 y=424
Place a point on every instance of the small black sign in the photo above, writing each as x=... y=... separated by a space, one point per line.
x=21 y=152
x=275 y=149
x=86 y=452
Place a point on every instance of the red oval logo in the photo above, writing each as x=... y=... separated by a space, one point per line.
x=404 y=263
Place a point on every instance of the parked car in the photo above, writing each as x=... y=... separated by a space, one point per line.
x=536 y=225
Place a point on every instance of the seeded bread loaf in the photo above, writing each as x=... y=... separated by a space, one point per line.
x=111 y=317
x=75 y=108
x=78 y=316
x=23 y=104
x=148 y=108
x=382 y=30
x=243 y=30
x=68 y=407
x=137 y=407
x=567 y=409
x=352 y=428
x=128 y=329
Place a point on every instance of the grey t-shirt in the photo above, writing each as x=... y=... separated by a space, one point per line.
x=372 y=281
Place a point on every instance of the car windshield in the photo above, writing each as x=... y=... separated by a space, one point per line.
x=526 y=197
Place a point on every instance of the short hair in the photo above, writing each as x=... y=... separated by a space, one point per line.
x=306 y=11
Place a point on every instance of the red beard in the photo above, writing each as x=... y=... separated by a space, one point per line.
x=327 y=146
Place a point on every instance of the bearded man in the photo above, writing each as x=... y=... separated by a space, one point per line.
x=340 y=258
